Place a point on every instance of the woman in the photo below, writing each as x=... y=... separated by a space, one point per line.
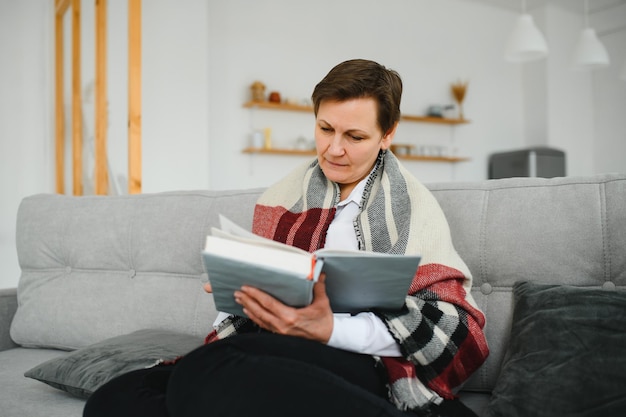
x=306 y=361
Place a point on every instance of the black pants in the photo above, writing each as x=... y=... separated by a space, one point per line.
x=258 y=374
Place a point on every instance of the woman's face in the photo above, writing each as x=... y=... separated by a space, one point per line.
x=348 y=138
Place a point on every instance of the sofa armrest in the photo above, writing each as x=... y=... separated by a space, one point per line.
x=8 y=306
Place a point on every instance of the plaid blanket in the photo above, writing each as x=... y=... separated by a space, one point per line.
x=440 y=329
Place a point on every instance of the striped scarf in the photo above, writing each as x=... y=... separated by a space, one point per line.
x=440 y=329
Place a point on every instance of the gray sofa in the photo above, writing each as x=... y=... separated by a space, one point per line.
x=94 y=268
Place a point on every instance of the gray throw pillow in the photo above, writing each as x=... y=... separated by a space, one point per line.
x=82 y=371
x=566 y=356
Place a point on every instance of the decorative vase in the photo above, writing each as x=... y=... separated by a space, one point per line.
x=459 y=89
x=258 y=91
x=274 y=97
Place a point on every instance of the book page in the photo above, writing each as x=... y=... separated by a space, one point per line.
x=230 y=227
x=256 y=253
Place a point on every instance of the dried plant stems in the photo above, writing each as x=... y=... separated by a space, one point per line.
x=458 y=90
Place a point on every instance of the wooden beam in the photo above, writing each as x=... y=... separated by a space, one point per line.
x=134 y=96
x=59 y=103
x=61 y=7
x=77 y=131
x=101 y=172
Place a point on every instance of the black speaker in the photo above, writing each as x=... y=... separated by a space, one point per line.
x=530 y=162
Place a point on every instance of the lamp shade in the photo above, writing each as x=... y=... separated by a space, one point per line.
x=526 y=43
x=590 y=53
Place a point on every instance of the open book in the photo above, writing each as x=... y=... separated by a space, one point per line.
x=355 y=280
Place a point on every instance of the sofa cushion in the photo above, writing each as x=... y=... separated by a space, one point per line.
x=81 y=372
x=566 y=355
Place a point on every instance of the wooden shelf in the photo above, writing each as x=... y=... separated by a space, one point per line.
x=279 y=151
x=424 y=158
x=296 y=107
x=297 y=152
x=429 y=119
x=277 y=106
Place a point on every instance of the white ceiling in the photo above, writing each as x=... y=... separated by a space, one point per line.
x=575 y=5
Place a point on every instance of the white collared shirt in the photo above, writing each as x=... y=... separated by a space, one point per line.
x=363 y=332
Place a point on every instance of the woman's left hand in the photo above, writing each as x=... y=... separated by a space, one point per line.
x=314 y=321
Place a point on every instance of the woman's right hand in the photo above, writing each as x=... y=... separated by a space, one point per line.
x=314 y=321
x=207 y=287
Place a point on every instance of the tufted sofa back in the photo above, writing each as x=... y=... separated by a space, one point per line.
x=553 y=231
x=98 y=267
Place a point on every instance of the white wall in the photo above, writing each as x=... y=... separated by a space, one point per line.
x=200 y=57
x=570 y=95
x=609 y=96
x=176 y=95
x=25 y=117
x=291 y=48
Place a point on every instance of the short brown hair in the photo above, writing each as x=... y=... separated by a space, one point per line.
x=360 y=78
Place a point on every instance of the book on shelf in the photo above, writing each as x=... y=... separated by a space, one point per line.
x=355 y=280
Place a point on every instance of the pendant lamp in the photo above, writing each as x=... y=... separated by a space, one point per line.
x=590 y=53
x=526 y=43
